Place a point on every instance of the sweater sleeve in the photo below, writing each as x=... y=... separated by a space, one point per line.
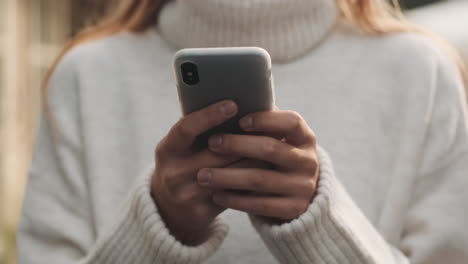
x=334 y=230
x=57 y=224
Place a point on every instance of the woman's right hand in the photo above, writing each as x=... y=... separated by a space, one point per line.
x=186 y=208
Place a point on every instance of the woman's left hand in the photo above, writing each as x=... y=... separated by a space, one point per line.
x=284 y=192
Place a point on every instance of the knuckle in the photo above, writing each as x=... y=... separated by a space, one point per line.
x=257 y=181
x=300 y=156
x=296 y=119
x=171 y=179
x=307 y=161
x=314 y=163
x=199 y=211
x=184 y=197
x=295 y=210
x=298 y=123
x=160 y=152
x=295 y=115
x=172 y=188
x=225 y=200
x=311 y=184
x=179 y=197
x=260 y=207
x=312 y=137
x=270 y=147
x=307 y=187
x=183 y=129
x=311 y=161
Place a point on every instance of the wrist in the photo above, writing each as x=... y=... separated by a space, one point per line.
x=183 y=232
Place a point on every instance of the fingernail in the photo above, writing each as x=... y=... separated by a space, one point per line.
x=228 y=108
x=204 y=177
x=246 y=122
x=215 y=141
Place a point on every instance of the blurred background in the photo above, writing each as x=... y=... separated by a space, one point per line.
x=32 y=33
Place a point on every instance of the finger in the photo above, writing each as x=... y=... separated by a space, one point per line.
x=181 y=175
x=250 y=163
x=289 y=124
x=189 y=193
x=210 y=159
x=256 y=180
x=270 y=206
x=273 y=135
x=183 y=134
x=262 y=148
x=187 y=173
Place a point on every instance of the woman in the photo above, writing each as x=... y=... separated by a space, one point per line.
x=388 y=108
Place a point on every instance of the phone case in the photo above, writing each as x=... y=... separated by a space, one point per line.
x=239 y=74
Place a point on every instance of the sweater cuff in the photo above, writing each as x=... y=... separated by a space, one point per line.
x=333 y=230
x=141 y=236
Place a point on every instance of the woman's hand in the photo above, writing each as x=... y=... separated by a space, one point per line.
x=186 y=208
x=282 y=193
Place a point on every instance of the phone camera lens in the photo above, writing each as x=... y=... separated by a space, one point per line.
x=190 y=73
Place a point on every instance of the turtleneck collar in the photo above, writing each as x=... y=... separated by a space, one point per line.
x=287 y=29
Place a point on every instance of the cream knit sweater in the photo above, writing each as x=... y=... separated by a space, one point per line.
x=388 y=110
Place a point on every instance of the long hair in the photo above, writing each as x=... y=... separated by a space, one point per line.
x=379 y=17
x=372 y=16
x=131 y=16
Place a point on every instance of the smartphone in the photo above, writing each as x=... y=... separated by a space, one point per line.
x=208 y=75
